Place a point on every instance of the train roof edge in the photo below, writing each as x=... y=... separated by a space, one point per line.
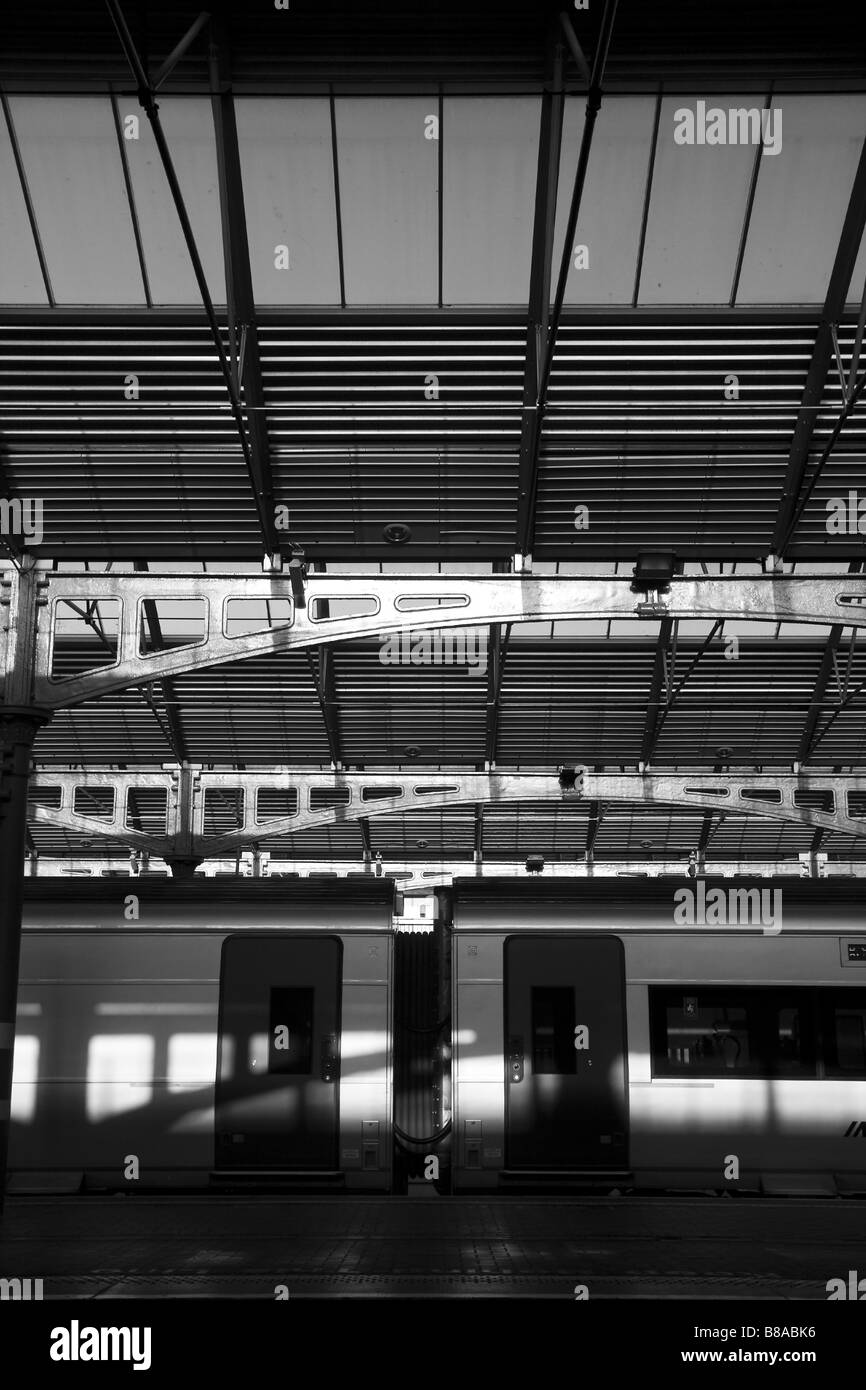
x=367 y=891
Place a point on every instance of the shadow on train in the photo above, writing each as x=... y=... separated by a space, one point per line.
x=540 y=1038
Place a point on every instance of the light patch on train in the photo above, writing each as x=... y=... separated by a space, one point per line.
x=721 y=907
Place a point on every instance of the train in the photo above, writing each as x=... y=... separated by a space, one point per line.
x=546 y=1035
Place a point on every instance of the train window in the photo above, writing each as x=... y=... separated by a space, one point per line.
x=700 y=1033
x=553 y=1030
x=725 y=1032
x=844 y=1030
x=290 y=1042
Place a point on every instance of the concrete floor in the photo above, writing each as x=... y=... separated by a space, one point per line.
x=630 y=1247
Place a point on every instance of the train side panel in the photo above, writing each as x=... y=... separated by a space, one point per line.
x=118 y=1026
x=701 y=1112
x=780 y=1129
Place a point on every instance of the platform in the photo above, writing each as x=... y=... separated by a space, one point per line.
x=620 y=1248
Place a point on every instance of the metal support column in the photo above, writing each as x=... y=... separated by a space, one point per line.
x=19 y=721
x=184 y=860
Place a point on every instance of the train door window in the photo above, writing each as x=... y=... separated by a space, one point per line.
x=290 y=1041
x=844 y=1028
x=700 y=1033
x=553 y=1030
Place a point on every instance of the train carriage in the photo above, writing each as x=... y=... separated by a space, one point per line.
x=626 y=1033
x=186 y=1033
x=660 y=1034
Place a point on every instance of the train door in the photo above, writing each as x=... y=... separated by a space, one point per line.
x=566 y=1104
x=278 y=1074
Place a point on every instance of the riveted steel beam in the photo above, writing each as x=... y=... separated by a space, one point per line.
x=321 y=799
x=384 y=605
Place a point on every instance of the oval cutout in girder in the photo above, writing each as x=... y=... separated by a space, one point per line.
x=707 y=791
x=815 y=799
x=417 y=603
x=322 y=609
x=380 y=793
x=244 y=617
x=49 y=797
x=431 y=791
x=275 y=803
x=851 y=600
x=96 y=803
x=768 y=794
x=323 y=798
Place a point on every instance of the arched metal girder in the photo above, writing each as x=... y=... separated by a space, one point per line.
x=113 y=800
x=342 y=608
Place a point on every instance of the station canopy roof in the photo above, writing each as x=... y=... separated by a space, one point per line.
x=388 y=162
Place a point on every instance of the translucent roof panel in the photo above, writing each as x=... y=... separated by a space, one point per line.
x=189 y=132
x=389 y=177
x=72 y=163
x=696 y=212
x=20 y=277
x=288 y=175
x=801 y=199
x=490 y=160
x=613 y=196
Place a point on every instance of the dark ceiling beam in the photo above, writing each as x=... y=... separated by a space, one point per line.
x=544 y=322
x=546 y=186
x=321 y=664
x=387 y=315
x=708 y=825
x=593 y=825
x=243 y=320
x=654 y=713
x=147 y=101
x=366 y=840
x=808 y=489
x=497 y=646
x=177 y=737
x=822 y=356
x=180 y=48
x=822 y=681
x=706 y=832
x=593 y=106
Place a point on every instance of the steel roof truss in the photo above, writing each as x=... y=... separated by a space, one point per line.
x=354 y=796
x=453 y=601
